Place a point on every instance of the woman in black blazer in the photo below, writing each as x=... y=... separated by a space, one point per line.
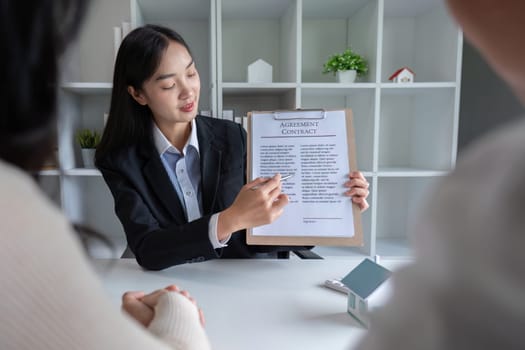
x=177 y=178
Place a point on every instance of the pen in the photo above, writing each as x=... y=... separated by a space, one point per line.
x=285 y=177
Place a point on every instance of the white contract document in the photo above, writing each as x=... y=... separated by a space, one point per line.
x=316 y=149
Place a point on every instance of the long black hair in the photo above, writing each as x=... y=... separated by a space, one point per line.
x=137 y=60
x=35 y=34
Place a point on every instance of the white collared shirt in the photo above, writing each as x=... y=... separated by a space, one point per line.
x=183 y=169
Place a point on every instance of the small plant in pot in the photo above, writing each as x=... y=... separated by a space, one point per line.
x=88 y=141
x=347 y=65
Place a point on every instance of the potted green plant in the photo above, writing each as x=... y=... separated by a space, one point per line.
x=88 y=141
x=346 y=65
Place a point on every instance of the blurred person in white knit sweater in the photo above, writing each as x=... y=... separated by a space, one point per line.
x=466 y=288
x=51 y=298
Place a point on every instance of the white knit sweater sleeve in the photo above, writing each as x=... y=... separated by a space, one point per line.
x=177 y=322
x=51 y=297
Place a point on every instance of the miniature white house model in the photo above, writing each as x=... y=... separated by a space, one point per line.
x=260 y=72
x=369 y=287
x=403 y=75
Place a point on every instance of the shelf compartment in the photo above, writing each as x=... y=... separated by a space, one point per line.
x=362 y=103
x=344 y=252
x=87 y=200
x=422 y=36
x=242 y=42
x=78 y=111
x=246 y=100
x=394 y=248
x=92 y=56
x=417 y=129
x=398 y=200
x=330 y=27
x=170 y=10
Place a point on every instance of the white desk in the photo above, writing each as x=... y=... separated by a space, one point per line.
x=254 y=304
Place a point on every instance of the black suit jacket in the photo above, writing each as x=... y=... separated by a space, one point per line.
x=150 y=210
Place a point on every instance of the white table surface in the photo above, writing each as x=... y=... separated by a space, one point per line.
x=255 y=304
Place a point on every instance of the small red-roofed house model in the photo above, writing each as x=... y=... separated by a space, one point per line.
x=403 y=75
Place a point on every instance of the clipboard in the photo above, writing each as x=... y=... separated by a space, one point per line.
x=354 y=236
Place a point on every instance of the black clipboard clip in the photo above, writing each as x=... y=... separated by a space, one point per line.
x=300 y=114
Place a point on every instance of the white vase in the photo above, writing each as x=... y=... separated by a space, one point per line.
x=346 y=76
x=88 y=157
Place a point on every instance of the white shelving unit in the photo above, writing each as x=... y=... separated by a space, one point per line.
x=406 y=133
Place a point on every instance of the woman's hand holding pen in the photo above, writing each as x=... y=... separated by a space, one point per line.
x=357 y=189
x=258 y=203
